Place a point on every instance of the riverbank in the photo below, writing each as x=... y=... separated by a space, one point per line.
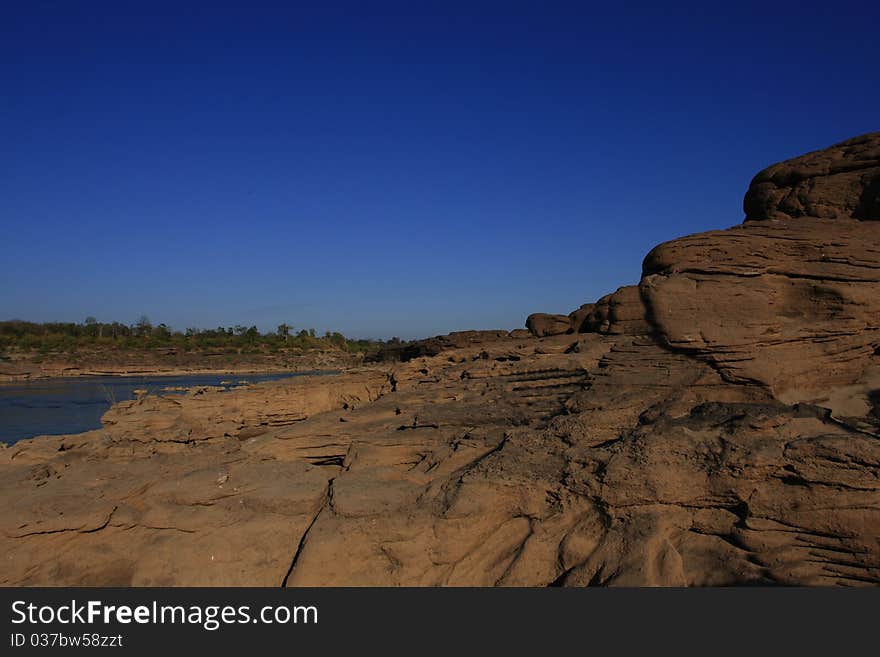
x=32 y=367
x=70 y=405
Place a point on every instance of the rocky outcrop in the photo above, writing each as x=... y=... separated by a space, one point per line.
x=207 y=413
x=717 y=424
x=788 y=305
x=174 y=490
x=620 y=313
x=406 y=351
x=543 y=324
x=578 y=318
x=840 y=182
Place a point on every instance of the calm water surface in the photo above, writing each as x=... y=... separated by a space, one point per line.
x=76 y=404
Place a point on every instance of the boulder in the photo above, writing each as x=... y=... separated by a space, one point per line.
x=840 y=182
x=544 y=324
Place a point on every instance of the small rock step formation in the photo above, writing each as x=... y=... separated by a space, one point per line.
x=716 y=424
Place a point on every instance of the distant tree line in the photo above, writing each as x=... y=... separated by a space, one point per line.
x=143 y=334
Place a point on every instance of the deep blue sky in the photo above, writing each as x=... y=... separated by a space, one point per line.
x=384 y=169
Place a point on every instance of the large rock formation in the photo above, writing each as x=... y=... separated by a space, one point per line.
x=718 y=424
x=789 y=305
x=841 y=182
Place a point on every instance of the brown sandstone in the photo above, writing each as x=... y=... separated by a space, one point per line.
x=718 y=424
x=543 y=324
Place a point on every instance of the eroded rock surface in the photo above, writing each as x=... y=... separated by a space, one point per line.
x=718 y=424
x=543 y=324
x=840 y=182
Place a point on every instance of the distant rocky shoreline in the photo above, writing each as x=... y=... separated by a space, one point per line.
x=27 y=370
x=717 y=424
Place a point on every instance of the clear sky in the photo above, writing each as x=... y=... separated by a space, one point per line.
x=393 y=169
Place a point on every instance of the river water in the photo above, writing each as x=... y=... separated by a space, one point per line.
x=76 y=404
